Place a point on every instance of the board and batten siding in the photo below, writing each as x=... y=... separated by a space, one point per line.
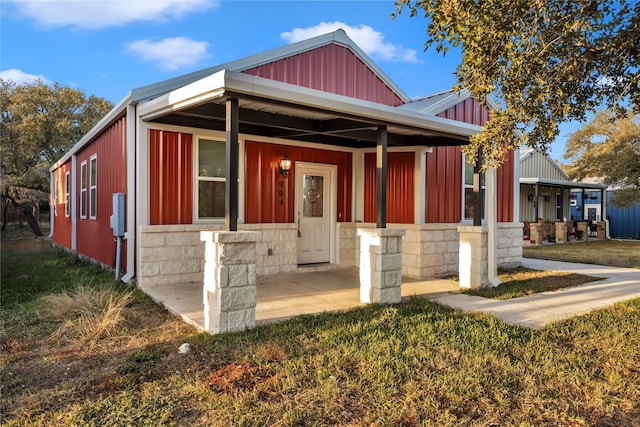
x=400 y=187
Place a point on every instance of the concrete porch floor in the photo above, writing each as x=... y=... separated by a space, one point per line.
x=285 y=295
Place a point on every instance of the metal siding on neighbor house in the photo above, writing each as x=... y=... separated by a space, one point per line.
x=623 y=222
x=443 y=196
x=61 y=223
x=330 y=68
x=539 y=165
x=468 y=111
x=269 y=198
x=95 y=237
x=170 y=178
x=400 y=187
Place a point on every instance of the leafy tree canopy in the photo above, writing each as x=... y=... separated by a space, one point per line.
x=38 y=124
x=545 y=62
x=608 y=147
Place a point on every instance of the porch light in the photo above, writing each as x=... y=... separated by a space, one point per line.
x=284 y=165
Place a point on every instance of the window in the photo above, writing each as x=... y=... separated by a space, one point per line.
x=67 y=188
x=83 y=190
x=56 y=188
x=211 y=179
x=93 y=186
x=559 y=216
x=468 y=191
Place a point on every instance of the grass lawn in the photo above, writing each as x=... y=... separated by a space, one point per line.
x=618 y=253
x=522 y=281
x=416 y=363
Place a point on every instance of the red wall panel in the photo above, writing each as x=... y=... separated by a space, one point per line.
x=330 y=68
x=270 y=198
x=400 y=187
x=61 y=223
x=170 y=178
x=504 y=176
x=443 y=185
x=95 y=237
x=468 y=111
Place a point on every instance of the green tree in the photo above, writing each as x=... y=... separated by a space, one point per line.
x=38 y=124
x=608 y=147
x=545 y=62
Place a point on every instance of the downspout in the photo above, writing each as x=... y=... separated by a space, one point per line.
x=604 y=213
x=74 y=219
x=130 y=235
x=492 y=223
x=52 y=198
x=516 y=185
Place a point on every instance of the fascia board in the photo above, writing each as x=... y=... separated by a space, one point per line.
x=116 y=111
x=210 y=87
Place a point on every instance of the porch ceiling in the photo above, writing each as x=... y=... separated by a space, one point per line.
x=277 y=119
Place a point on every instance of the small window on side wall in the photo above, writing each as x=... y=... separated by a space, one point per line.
x=211 y=179
x=93 y=187
x=83 y=190
x=67 y=188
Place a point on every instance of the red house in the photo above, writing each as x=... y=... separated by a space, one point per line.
x=210 y=151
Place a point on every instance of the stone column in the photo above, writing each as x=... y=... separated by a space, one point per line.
x=473 y=263
x=229 y=293
x=535 y=233
x=584 y=227
x=380 y=264
x=602 y=230
x=561 y=232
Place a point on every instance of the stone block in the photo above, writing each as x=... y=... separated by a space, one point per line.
x=151 y=240
x=237 y=298
x=237 y=253
x=386 y=295
x=390 y=262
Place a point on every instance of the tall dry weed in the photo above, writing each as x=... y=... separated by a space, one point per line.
x=87 y=313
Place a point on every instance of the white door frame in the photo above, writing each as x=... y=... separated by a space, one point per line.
x=307 y=167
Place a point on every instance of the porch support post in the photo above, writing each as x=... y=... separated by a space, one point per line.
x=477 y=192
x=473 y=259
x=380 y=265
x=231 y=164
x=381 y=178
x=535 y=204
x=229 y=289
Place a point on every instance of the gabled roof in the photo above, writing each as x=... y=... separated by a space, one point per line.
x=539 y=168
x=338 y=37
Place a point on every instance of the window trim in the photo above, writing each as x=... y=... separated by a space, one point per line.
x=67 y=191
x=197 y=178
x=93 y=187
x=83 y=190
x=483 y=191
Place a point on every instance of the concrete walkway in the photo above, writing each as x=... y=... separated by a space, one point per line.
x=536 y=311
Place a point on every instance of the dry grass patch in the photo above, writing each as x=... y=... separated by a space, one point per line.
x=522 y=281
x=87 y=313
x=616 y=253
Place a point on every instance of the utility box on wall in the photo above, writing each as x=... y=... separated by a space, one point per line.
x=117 y=219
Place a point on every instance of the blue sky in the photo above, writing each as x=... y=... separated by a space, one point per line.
x=108 y=47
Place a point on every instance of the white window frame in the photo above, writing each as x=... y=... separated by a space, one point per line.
x=483 y=190
x=56 y=197
x=93 y=187
x=197 y=178
x=67 y=190
x=83 y=190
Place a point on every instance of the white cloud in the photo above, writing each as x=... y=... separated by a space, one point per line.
x=93 y=14
x=20 y=77
x=170 y=53
x=369 y=40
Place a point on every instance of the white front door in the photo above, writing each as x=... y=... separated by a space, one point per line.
x=313 y=211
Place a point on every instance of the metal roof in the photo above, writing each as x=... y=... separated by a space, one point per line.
x=560 y=183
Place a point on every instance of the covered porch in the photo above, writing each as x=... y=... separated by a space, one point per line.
x=285 y=295
x=546 y=211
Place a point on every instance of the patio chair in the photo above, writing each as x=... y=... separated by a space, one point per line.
x=526 y=233
x=571 y=231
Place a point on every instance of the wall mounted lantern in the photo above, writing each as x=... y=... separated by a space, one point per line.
x=284 y=165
